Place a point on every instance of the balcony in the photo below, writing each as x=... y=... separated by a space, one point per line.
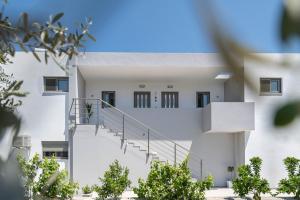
x=228 y=117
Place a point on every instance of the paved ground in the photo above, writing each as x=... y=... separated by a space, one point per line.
x=213 y=194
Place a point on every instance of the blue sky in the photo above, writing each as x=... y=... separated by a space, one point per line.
x=163 y=25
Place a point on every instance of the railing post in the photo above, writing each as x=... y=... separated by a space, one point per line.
x=123 y=128
x=175 y=156
x=148 y=142
x=201 y=166
x=97 y=105
x=75 y=111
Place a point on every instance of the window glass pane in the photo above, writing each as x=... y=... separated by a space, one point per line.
x=63 y=85
x=203 y=98
x=142 y=99
x=169 y=99
x=50 y=84
x=109 y=97
x=275 y=86
x=265 y=85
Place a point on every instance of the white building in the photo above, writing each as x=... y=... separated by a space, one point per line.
x=164 y=106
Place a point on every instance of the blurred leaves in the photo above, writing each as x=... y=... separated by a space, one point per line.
x=287 y=113
x=290 y=21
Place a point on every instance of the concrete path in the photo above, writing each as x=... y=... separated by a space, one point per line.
x=213 y=194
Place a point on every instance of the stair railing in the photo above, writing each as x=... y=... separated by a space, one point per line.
x=121 y=122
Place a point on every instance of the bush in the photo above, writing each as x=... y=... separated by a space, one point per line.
x=29 y=173
x=87 y=189
x=291 y=184
x=249 y=180
x=168 y=182
x=114 y=182
x=51 y=183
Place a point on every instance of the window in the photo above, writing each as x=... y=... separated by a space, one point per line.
x=59 y=149
x=56 y=84
x=169 y=99
x=142 y=99
x=203 y=98
x=109 y=97
x=270 y=86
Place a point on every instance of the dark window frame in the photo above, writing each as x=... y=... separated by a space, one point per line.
x=270 y=93
x=136 y=93
x=163 y=104
x=114 y=99
x=197 y=98
x=56 y=154
x=57 y=79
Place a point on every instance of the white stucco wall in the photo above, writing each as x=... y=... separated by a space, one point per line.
x=43 y=114
x=270 y=143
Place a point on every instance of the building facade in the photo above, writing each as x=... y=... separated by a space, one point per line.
x=139 y=107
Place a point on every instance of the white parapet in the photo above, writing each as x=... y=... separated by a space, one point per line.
x=228 y=117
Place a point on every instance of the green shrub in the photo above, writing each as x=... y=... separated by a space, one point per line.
x=51 y=183
x=168 y=182
x=249 y=180
x=114 y=182
x=29 y=172
x=291 y=184
x=87 y=189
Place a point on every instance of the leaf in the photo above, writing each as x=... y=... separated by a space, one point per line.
x=287 y=113
x=25 y=21
x=36 y=56
x=290 y=26
x=91 y=37
x=57 y=17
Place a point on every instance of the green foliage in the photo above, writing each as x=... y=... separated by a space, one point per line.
x=29 y=173
x=114 y=182
x=50 y=35
x=291 y=184
x=88 y=107
x=287 y=113
x=87 y=189
x=168 y=182
x=249 y=180
x=51 y=183
x=9 y=89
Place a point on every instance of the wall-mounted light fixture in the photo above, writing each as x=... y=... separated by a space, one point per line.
x=142 y=85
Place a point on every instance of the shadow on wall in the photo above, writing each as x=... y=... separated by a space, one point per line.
x=217 y=153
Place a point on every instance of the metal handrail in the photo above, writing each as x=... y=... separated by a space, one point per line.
x=150 y=131
x=131 y=117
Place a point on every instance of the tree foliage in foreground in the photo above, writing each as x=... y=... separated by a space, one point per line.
x=50 y=183
x=250 y=181
x=168 y=182
x=291 y=184
x=114 y=182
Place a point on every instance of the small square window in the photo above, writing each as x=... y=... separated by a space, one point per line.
x=203 y=98
x=56 y=84
x=270 y=86
x=109 y=97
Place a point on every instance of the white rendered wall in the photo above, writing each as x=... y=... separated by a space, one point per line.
x=270 y=143
x=43 y=114
x=183 y=125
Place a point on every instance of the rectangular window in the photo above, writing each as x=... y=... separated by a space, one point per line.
x=109 y=97
x=142 y=99
x=58 y=149
x=270 y=86
x=203 y=98
x=169 y=99
x=56 y=84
